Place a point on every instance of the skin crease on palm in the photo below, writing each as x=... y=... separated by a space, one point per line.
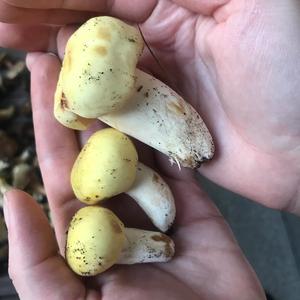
x=237 y=63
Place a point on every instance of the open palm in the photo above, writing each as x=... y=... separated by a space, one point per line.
x=232 y=63
x=208 y=262
x=239 y=67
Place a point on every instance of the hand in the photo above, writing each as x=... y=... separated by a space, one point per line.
x=236 y=61
x=208 y=263
x=247 y=151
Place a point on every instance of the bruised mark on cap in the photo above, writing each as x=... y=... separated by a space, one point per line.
x=101 y=50
x=104 y=34
x=155 y=178
x=64 y=101
x=116 y=227
x=68 y=61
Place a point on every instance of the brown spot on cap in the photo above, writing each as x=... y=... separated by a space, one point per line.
x=101 y=50
x=68 y=61
x=155 y=178
x=104 y=34
x=64 y=102
x=116 y=227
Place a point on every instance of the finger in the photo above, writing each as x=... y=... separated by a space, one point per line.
x=87 y=5
x=62 y=38
x=35 y=267
x=134 y=10
x=206 y=250
x=205 y=7
x=57 y=146
x=12 y=14
x=29 y=38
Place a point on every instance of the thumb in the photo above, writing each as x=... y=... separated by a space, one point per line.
x=35 y=266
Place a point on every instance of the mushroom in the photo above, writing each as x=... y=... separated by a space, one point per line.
x=97 y=239
x=26 y=156
x=21 y=174
x=6 y=113
x=105 y=167
x=8 y=147
x=108 y=165
x=99 y=79
x=4 y=165
x=3 y=240
x=15 y=70
x=4 y=187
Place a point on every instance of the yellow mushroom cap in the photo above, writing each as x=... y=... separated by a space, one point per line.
x=63 y=115
x=95 y=240
x=98 y=71
x=105 y=167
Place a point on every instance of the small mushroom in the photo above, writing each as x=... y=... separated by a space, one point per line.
x=4 y=187
x=3 y=240
x=97 y=239
x=8 y=147
x=108 y=165
x=7 y=113
x=4 y=169
x=105 y=167
x=21 y=175
x=2 y=57
x=99 y=79
x=4 y=165
x=15 y=70
x=25 y=156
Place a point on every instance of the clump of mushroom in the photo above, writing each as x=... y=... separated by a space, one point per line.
x=96 y=239
x=99 y=79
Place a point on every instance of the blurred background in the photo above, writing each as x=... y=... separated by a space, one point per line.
x=269 y=239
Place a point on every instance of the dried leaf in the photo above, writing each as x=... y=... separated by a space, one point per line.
x=7 y=113
x=15 y=70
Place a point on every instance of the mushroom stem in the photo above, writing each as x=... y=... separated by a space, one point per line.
x=154 y=196
x=169 y=124
x=143 y=246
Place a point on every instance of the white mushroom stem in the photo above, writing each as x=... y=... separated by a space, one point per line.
x=154 y=196
x=143 y=246
x=160 y=118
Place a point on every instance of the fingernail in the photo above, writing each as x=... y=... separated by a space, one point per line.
x=53 y=54
x=31 y=59
x=6 y=210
